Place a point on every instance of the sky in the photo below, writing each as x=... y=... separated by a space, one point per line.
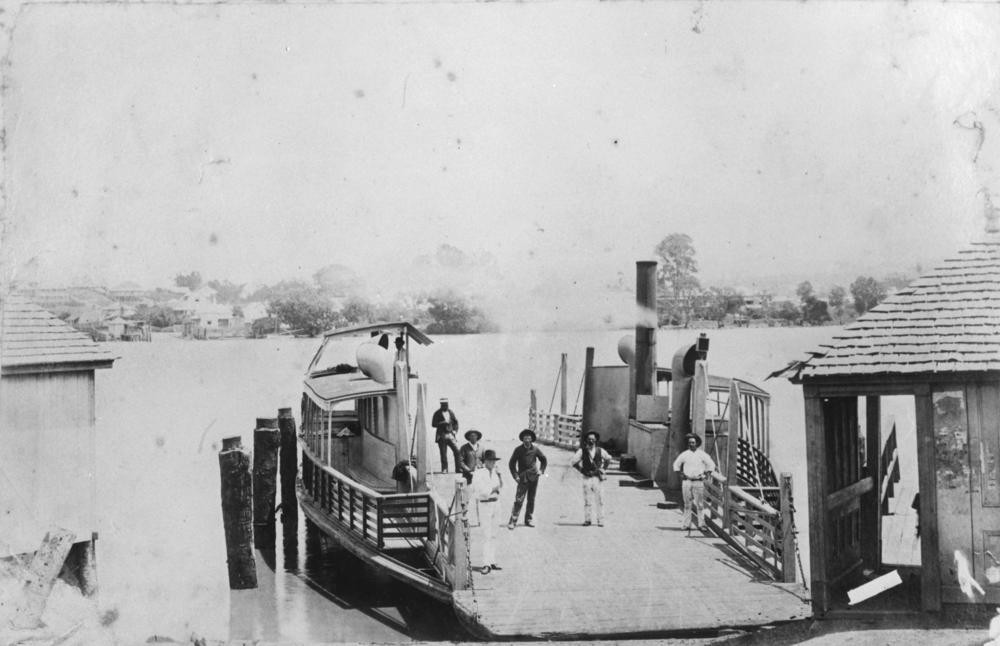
x=255 y=142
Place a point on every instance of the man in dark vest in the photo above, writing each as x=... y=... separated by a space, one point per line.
x=592 y=461
x=446 y=426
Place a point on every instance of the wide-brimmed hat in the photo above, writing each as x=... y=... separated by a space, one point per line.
x=489 y=454
x=692 y=436
x=526 y=432
x=597 y=436
x=469 y=432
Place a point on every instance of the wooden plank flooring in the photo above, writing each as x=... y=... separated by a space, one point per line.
x=641 y=573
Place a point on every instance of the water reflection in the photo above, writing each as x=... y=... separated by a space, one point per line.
x=323 y=588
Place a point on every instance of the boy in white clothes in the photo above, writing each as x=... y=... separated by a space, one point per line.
x=694 y=465
x=486 y=486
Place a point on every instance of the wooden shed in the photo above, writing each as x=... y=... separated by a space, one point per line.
x=936 y=346
x=47 y=430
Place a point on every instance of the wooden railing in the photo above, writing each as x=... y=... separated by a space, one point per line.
x=368 y=514
x=553 y=428
x=889 y=468
x=763 y=533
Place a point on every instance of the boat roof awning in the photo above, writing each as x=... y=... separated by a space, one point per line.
x=327 y=390
x=411 y=331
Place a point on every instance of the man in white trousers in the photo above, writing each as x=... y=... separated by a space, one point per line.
x=486 y=485
x=592 y=462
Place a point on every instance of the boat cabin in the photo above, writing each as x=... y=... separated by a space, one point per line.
x=355 y=402
x=909 y=394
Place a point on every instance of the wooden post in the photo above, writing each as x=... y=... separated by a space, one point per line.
x=818 y=522
x=420 y=430
x=871 y=514
x=930 y=574
x=588 y=395
x=532 y=412
x=288 y=464
x=732 y=450
x=266 y=440
x=237 y=514
x=562 y=384
x=460 y=542
x=39 y=576
x=787 y=529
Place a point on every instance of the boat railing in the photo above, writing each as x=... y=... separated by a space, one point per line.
x=763 y=533
x=383 y=520
x=556 y=429
x=889 y=468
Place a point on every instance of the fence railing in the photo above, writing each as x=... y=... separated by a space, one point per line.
x=553 y=428
x=763 y=533
x=889 y=468
x=375 y=517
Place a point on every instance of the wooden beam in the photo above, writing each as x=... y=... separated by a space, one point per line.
x=699 y=398
x=843 y=496
x=39 y=577
x=562 y=384
x=871 y=514
x=930 y=579
x=816 y=468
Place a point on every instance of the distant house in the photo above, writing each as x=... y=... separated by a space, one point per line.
x=47 y=430
x=127 y=292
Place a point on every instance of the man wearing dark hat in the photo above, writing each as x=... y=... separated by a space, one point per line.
x=694 y=465
x=527 y=462
x=446 y=425
x=471 y=454
x=591 y=461
x=486 y=486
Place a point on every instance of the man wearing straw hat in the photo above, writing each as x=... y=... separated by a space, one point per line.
x=446 y=425
x=486 y=486
x=694 y=465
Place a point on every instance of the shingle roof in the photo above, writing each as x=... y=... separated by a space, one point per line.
x=32 y=337
x=946 y=321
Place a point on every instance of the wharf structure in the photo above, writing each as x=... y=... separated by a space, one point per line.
x=936 y=346
x=48 y=433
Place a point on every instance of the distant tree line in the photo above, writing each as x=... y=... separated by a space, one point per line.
x=681 y=298
x=334 y=299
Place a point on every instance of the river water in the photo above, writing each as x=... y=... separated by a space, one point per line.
x=164 y=408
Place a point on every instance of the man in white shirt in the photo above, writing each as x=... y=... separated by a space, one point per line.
x=486 y=486
x=592 y=462
x=694 y=465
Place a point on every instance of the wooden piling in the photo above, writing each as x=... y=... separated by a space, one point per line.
x=562 y=385
x=787 y=526
x=266 y=440
x=39 y=576
x=288 y=464
x=237 y=514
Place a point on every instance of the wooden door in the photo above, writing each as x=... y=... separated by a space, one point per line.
x=984 y=437
x=845 y=486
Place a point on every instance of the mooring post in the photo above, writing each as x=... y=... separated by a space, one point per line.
x=562 y=384
x=788 y=529
x=237 y=513
x=288 y=464
x=266 y=440
x=533 y=412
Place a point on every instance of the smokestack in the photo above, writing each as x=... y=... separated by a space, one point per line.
x=645 y=331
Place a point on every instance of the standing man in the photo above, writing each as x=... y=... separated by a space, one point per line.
x=471 y=454
x=527 y=462
x=486 y=484
x=694 y=465
x=446 y=425
x=592 y=462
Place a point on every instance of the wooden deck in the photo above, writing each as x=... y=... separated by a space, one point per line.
x=639 y=574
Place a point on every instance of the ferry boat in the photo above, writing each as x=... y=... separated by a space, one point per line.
x=362 y=424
